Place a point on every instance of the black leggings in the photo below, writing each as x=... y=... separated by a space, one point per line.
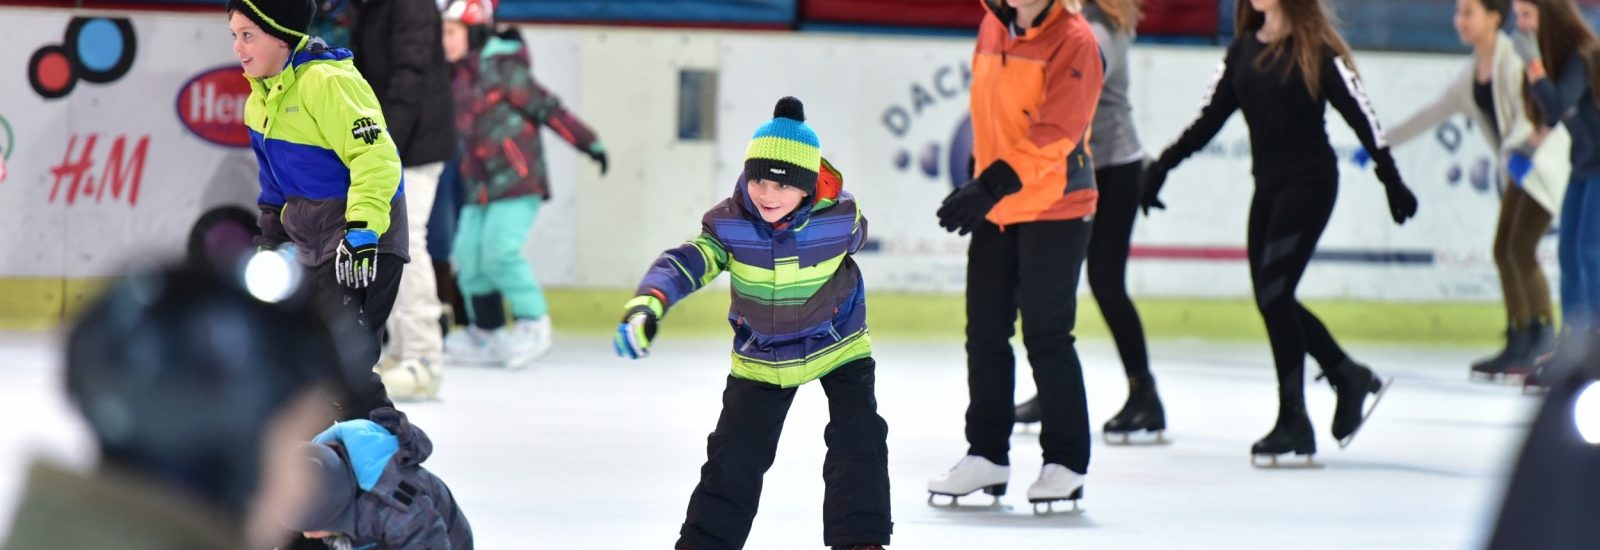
x=1286 y=220
x=1108 y=263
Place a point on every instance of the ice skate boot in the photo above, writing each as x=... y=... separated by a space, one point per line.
x=1291 y=434
x=1056 y=483
x=475 y=347
x=1495 y=369
x=525 y=342
x=1353 y=383
x=1027 y=413
x=411 y=379
x=971 y=474
x=1141 y=420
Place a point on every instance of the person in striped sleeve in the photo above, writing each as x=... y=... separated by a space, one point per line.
x=799 y=314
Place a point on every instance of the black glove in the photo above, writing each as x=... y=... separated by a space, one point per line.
x=1402 y=203
x=966 y=207
x=1155 y=176
x=357 y=257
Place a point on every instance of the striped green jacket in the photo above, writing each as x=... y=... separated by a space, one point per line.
x=799 y=306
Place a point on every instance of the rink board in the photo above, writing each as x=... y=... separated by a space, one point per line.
x=889 y=111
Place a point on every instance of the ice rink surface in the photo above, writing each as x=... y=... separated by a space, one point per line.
x=584 y=450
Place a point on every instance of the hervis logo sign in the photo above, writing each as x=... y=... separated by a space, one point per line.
x=211 y=105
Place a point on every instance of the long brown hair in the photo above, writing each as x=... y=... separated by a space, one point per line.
x=1311 y=25
x=1564 y=33
x=1124 y=14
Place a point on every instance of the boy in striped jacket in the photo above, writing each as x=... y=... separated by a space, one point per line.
x=798 y=314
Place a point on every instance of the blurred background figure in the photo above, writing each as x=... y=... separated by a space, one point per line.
x=397 y=48
x=184 y=379
x=500 y=109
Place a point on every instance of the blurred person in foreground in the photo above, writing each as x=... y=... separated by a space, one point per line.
x=196 y=406
x=1552 y=498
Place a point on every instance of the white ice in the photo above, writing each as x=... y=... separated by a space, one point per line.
x=588 y=451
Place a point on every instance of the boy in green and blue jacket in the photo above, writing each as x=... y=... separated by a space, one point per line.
x=330 y=176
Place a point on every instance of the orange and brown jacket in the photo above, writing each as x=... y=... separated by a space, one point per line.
x=1033 y=99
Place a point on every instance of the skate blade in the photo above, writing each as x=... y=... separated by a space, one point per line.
x=1271 y=462
x=955 y=505
x=1046 y=508
x=475 y=363
x=1373 y=406
x=1142 y=438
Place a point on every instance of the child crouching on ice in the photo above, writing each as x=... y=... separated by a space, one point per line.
x=371 y=492
x=799 y=314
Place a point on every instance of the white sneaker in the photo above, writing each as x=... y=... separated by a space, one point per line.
x=969 y=475
x=473 y=346
x=412 y=379
x=1056 y=483
x=525 y=342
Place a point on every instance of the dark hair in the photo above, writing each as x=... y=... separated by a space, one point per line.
x=1563 y=33
x=1313 y=28
x=1498 y=7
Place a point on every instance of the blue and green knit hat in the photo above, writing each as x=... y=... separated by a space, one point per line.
x=785 y=150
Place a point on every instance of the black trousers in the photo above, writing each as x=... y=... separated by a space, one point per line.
x=1286 y=221
x=357 y=317
x=1115 y=211
x=1032 y=268
x=855 y=507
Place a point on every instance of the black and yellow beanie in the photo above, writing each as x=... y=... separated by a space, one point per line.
x=785 y=150
x=287 y=20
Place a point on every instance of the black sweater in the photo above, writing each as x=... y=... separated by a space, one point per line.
x=1288 y=134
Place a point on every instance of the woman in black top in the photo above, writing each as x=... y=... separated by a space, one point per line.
x=1286 y=65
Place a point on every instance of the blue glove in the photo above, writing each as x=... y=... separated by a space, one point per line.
x=1361 y=157
x=1518 y=167
x=356 y=260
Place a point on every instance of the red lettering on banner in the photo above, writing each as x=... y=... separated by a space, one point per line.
x=122 y=171
x=77 y=170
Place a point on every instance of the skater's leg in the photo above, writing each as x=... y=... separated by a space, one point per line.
x=1286 y=220
x=1115 y=212
x=991 y=321
x=358 y=332
x=414 y=327
x=1050 y=256
x=855 y=507
x=467 y=255
x=1528 y=226
x=1572 y=291
x=1511 y=283
x=738 y=454
x=1320 y=343
x=505 y=230
x=1588 y=255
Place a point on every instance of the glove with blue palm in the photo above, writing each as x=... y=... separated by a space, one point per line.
x=638 y=327
x=356 y=260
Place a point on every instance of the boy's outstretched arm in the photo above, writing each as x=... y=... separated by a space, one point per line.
x=676 y=274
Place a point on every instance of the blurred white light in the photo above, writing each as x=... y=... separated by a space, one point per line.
x=1586 y=412
x=269 y=276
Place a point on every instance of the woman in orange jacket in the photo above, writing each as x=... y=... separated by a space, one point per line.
x=1037 y=74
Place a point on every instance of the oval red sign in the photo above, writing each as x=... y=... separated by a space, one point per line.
x=212 y=106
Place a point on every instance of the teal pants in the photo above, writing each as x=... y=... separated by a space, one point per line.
x=488 y=254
